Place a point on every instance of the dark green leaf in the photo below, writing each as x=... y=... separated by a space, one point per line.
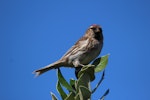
x=64 y=83
x=77 y=97
x=89 y=70
x=83 y=80
x=84 y=93
x=61 y=91
x=70 y=96
x=53 y=96
x=72 y=83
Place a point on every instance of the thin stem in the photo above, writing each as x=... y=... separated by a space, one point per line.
x=102 y=78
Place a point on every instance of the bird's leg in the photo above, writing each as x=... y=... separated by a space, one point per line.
x=78 y=67
x=76 y=63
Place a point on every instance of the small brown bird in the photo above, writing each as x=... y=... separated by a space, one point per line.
x=82 y=53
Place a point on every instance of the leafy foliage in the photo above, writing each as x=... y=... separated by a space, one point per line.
x=80 y=89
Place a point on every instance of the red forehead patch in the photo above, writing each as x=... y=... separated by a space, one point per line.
x=94 y=26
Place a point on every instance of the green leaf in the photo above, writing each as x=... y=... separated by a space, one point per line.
x=89 y=69
x=101 y=63
x=72 y=83
x=61 y=91
x=84 y=93
x=70 y=96
x=83 y=80
x=64 y=83
x=77 y=97
x=53 y=96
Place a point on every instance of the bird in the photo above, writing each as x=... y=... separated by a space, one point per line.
x=84 y=51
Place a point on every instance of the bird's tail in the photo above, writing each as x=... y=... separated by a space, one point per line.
x=54 y=65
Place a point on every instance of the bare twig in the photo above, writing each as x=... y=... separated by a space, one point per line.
x=102 y=78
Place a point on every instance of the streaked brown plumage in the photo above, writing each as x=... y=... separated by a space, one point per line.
x=82 y=53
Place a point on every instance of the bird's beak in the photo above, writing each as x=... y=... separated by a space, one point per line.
x=97 y=30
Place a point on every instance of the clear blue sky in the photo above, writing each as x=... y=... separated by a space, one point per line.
x=34 y=33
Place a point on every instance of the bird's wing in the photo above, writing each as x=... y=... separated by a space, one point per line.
x=80 y=45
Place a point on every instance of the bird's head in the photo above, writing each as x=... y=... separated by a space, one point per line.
x=95 y=28
x=95 y=31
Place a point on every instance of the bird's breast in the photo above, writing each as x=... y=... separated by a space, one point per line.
x=87 y=52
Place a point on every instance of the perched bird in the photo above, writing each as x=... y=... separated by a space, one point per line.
x=81 y=53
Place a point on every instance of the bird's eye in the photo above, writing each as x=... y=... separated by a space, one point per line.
x=93 y=28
